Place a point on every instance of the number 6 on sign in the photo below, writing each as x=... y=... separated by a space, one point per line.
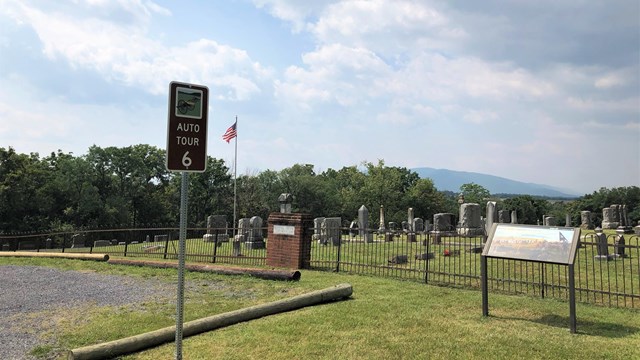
x=186 y=160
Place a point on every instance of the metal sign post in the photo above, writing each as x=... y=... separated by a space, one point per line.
x=186 y=152
x=187 y=127
x=543 y=244
x=181 y=250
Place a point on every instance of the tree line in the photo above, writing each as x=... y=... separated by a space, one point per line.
x=129 y=187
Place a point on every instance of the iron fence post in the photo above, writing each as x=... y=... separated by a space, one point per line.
x=166 y=245
x=215 y=246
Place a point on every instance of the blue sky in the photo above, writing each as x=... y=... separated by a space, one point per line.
x=537 y=91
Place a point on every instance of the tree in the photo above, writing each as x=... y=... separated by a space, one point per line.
x=528 y=209
x=426 y=199
x=474 y=193
x=308 y=190
x=388 y=186
x=210 y=192
x=24 y=205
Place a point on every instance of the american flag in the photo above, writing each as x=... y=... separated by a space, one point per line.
x=230 y=133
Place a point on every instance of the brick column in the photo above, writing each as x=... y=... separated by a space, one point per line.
x=289 y=240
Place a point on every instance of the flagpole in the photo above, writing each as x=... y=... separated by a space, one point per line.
x=235 y=177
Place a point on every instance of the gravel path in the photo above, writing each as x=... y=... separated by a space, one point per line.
x=27 y=291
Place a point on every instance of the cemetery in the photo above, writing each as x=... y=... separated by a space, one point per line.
x=444 y=250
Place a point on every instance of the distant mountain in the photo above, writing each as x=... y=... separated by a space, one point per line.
x=450 y=180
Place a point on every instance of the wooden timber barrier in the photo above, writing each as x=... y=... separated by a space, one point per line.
x=140 y=342
x=78 y=256
x=267 y=274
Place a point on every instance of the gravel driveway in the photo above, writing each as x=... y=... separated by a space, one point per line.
x=27 y=291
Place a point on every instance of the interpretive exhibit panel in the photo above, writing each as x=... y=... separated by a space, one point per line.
x=534 y=243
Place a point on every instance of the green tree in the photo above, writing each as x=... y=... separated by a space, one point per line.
x=426 y=199
x=474 y=193
x=24 y=205
x=210 y=192
x=528 y=209
x=308 y=190
x=388 y=186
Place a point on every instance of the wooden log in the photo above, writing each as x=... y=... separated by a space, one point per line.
x=140 y=342
x=286 y=275
x=78 y=256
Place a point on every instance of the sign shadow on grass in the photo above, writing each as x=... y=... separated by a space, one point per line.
x=593 y=328
x=585 y=327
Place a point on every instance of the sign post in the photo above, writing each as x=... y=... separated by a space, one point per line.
x=186 y=152
x=543 y=244
x=187 y=127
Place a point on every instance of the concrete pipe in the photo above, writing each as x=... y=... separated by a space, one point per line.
x=158 y=337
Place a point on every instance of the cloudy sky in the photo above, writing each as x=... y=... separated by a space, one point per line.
x=537 y=91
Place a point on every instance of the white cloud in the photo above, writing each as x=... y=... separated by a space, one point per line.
x=124 y=53
x=386 y=27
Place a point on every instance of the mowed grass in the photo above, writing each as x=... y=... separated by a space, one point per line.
x=384 y=319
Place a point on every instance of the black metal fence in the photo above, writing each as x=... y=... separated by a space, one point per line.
x=202 y=244
x=454 y=260
x=445 y=258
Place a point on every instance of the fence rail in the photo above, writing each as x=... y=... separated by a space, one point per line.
x=452 y=259
x=202 y=244
x=446 y=259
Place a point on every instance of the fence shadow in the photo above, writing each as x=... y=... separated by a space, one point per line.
x=583 y=327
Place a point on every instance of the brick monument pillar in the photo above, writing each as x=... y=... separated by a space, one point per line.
x=289 y=237
x=289 y=240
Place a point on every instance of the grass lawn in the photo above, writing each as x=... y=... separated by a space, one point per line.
x=384 y=319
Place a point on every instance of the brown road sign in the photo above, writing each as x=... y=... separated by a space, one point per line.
x=187 y=127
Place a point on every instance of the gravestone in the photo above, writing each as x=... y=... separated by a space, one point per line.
x=619 y=244
x=425 y=256
x=363 y=224
x=418 y=225
x=317 y=230
x=490 y=215
x=504 y=217
x=443 y=222
x=217 y=224
x=101 y=243
x=243 y=229
x=236 y=243
x=514 y=217
x=567 y=220
x=610 y=217
x=549 y=221
x=602 y=246
x=470 y=223
x=255 y=239
x=405 y=226
x=626 y=222
x=410 y=220
x=399 y=259
x=48 y=243
x=353 y=229
x=585 y=220
x=159 y=238
x=330 y=230
x=6 y=247
x=77 y=241
x=381 y=228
